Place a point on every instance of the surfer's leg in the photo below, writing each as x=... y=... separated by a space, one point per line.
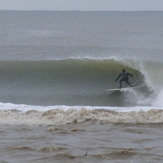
x=128 y=83
x=120 y=83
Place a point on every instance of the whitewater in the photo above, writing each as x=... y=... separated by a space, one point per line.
x=55 y=71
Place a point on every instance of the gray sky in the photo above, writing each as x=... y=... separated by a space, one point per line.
x=81 y=5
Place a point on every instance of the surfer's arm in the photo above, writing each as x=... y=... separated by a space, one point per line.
x=129 y=74
x=118 y=77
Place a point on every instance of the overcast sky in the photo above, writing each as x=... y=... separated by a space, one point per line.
x=81 y=5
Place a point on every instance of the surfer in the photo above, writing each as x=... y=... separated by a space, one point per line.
x=123 y=76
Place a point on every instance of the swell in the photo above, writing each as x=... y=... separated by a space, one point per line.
x=65 y=82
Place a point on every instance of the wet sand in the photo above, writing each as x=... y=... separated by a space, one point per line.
x=82 y=142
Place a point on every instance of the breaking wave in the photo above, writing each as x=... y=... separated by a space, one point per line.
x=73 y=82
x=62 y=115
x=75 y=90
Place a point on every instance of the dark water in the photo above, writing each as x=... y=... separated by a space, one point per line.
x=83 y=142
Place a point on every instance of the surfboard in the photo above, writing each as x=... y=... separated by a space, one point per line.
x=119 y=89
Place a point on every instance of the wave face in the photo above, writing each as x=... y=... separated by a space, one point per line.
x=73 y=82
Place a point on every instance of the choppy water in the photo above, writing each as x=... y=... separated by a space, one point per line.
x=82 y=142
x=55 y=69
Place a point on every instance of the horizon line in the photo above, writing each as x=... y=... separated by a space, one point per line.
x=1 y=10
x=83 y=10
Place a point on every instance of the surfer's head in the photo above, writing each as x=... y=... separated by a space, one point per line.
x=123 y=70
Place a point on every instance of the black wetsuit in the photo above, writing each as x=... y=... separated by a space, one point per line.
x=124 y=77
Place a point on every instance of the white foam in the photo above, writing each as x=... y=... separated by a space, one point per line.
x=24 y=108
x=158 y=101
x=62 y=117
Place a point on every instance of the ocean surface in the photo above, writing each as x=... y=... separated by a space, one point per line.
x=55 y=71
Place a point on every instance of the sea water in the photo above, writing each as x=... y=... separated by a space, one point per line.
x=55 y=71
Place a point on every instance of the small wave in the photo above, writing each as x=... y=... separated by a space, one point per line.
x=121 y=153
x=43 y=149
x=66 y=115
